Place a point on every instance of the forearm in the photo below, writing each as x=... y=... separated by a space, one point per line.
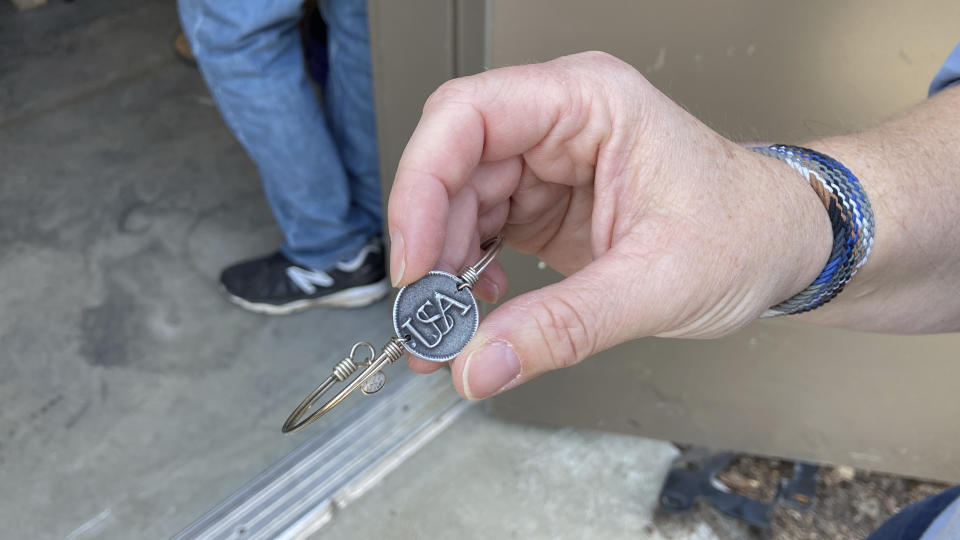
x=910 y=169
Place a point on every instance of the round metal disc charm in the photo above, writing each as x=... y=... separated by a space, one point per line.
x=374 y=383
x=436 y=319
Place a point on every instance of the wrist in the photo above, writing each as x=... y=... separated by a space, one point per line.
x=801 y=238
x=851 y=221
x=908 y=167
x=887 y=280
x=858 y=154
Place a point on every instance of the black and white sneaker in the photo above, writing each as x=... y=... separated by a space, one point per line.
x=275 y=285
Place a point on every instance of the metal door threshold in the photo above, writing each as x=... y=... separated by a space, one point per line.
x=302 y=492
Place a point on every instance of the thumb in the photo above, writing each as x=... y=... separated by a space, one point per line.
x=550 y=328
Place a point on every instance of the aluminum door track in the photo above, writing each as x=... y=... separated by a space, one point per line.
x=302 y=492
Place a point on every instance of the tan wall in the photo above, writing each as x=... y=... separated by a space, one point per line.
x=778 y=71
x=752 y=69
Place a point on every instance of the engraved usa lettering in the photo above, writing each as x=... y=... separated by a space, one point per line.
x=437 y=324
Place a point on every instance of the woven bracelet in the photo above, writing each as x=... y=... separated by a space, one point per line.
x=851 y=218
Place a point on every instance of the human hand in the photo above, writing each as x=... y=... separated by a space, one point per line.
x=662 y=226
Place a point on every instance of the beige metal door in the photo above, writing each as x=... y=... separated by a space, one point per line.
x=774 y=71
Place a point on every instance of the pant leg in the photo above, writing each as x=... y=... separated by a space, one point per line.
x=350 y=106
x=912 y=522
x=250 y=55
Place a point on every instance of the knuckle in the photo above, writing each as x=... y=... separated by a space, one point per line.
x=604 y=59
x=452 y=91
x=599 y=56
x=567 y=334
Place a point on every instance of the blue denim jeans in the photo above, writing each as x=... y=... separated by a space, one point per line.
x=934 y=518
x=318 y=164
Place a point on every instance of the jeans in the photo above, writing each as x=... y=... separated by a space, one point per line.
x=934 y=518
x=319 y=168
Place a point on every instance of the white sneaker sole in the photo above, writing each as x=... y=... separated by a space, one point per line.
x=348 y=298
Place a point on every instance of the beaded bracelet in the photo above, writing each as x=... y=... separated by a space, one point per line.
x=851 y=218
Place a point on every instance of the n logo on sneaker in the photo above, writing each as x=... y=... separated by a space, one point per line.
x=307 y=279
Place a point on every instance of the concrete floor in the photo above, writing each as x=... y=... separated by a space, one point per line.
x=132 y=396
x=485 y=478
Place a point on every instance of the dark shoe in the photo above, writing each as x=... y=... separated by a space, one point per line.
x=275 y=285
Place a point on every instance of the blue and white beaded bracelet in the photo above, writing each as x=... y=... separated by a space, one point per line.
x=850 y=216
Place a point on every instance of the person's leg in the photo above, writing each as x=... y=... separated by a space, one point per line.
x=914 y=522
x=250 y=55
x=350 y=106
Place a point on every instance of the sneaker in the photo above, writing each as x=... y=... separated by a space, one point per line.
x=275 y=285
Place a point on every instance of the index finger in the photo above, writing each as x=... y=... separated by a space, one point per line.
x=485 y=117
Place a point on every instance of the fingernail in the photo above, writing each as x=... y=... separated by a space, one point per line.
x=489 y=369
x=493 y=287
x=397 y=259
x=496 y=291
